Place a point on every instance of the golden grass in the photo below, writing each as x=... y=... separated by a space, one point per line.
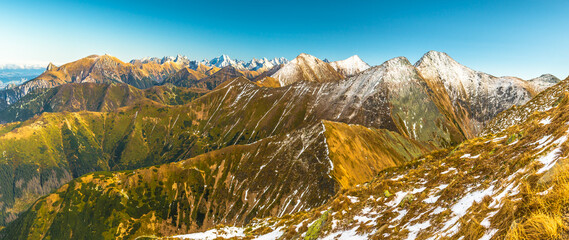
x=268 y=82
x=544 y=209
x=537 y=226
x=359 y=153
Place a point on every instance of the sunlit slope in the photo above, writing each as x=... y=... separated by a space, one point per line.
x=238 y=111
x=233 y=185
x=546 y=100
x=94 y=69
x=359 y=153
x=510 y=185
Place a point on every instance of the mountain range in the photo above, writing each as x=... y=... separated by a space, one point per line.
x=298 y=149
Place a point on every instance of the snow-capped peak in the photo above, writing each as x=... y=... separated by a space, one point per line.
x=350 y=66
x=222 y=61
x=435 y=58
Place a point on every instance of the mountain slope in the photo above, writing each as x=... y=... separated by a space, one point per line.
x=399 y=111
x=472 y=97
x=227 y=186
x=74 y=97
x=543 y=82
x=186 y=77
x=512 y=185
x=219 y=77
x=390 y=97
x=306 y=68
x=546 y=100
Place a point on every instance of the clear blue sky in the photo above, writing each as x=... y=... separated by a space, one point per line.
x=521 y=38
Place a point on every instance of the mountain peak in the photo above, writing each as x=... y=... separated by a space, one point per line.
x=397 y=61
x=350 y=66
x=306 y=67
x=435 y=58
x=355 y=58
x=50 y=67
x=549 y=78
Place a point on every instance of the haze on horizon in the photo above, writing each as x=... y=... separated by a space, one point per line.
x=515 y=38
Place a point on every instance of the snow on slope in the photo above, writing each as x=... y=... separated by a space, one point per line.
x=482 y=95
x=444 y=196
x=543 y=82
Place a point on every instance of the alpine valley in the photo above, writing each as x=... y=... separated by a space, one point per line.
x=174 y=148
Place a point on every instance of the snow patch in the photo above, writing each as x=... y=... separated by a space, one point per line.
x=226 y=232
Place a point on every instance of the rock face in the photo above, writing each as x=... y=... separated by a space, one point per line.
x=51 y=67
x=306 y=68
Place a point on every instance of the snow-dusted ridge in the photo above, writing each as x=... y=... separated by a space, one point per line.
x=220 y=62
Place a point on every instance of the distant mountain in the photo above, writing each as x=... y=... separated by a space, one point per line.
x=222 y=61
x=97 y=69
x=21 y=66
x=140 y=73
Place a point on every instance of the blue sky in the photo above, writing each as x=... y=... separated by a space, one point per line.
x=521 y=38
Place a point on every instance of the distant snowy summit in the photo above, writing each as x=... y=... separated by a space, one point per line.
x=220 y=62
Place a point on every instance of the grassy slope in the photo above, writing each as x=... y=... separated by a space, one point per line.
x=359 y=153
x=148 y=133
x=231 y=186
x=97 y=97
x=512 y=185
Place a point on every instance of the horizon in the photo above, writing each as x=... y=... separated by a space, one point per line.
x=505 y=38
x=43 y=66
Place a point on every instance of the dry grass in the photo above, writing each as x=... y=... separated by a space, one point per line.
x=537 y=226
x=544 y=210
